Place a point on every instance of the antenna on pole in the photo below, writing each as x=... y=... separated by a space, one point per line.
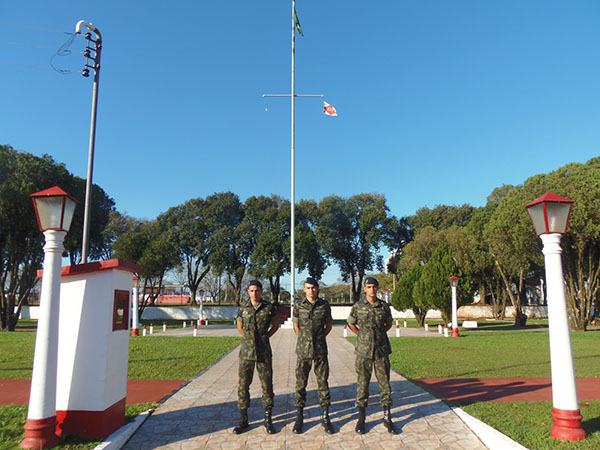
x=95 y=59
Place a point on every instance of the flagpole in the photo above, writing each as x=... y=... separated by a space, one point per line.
x=293 y=157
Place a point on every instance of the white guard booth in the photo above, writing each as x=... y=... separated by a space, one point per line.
x=93 y=347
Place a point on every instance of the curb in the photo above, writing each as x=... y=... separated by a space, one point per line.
x=118 y=439
x=491 y=438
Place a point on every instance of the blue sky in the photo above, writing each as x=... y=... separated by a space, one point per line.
x=439 y=101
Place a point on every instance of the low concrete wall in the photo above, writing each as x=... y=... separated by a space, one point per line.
x=29 y=312
x=337 y=312
x=189 y=312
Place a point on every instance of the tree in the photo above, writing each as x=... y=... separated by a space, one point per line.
x=21 y=242
x=309 y=255
x=350 y=232
x=435 y=285
x=268 y=232
x=404 y=296
x=118 y=224
x=230 y=242
x=420 y=249
x=514 y=247
x=187 y=229
x=581 y=245
x=482 y=269
x=148 y=246
x=441 y=217
x=100 y=209
x=398 y=233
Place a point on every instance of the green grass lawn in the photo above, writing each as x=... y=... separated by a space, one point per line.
x=160 y=357
x=12 y=419
x=497 y=350
x=529 y=423
x=169 y=358
x=155 y=358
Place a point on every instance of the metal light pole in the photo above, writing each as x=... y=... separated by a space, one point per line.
x=550 y=216
x=96 y=66
x=454 y=284
x=54 y=210
x=293 y=159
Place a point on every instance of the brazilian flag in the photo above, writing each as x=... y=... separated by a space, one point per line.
x=297 y=23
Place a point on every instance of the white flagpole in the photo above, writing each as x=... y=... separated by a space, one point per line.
x=293 y=157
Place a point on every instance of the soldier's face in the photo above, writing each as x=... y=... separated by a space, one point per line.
x=255 y=293
x=371 y=291
x=311 y=292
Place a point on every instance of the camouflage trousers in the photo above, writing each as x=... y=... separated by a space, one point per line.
x=303 y=367
x=265 y=374
x=364 y=368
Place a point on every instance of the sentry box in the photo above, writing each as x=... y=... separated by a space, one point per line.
x=93 y=347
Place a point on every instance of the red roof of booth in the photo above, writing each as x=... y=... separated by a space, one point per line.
x=96 y=266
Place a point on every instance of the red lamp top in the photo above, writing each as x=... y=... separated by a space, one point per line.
x=54 y=209
x=550 y=213
x=453 y=281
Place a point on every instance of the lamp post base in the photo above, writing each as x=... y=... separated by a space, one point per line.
x=135 y=331
x=567 y=425
x=40 y=433
x=455 y=332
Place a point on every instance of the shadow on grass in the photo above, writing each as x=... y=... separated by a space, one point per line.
x=591 y=425
x=472 y=390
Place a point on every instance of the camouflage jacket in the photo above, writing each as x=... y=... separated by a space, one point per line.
x=311 y=319
x=256 y=324
x=371 y=321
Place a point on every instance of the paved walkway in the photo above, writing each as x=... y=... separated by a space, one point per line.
x=204 y=412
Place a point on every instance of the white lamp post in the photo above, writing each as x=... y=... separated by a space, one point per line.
x=202 y=305
x=550 y=216
x=54 y=209
x=454 y=284
x=135 y=317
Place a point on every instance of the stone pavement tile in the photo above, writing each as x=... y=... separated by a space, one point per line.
x=203 y=413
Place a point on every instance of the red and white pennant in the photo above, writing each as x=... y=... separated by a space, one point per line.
x=329 y=110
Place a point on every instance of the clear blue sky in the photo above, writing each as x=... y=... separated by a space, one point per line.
x=439 y=101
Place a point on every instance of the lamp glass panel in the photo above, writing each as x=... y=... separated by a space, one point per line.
x=69 y=211
x=453 y=282
x=49 y=211
x=536 y=212
x=558 y=214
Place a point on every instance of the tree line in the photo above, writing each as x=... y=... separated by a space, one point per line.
x=497 y=254
x=493 y=249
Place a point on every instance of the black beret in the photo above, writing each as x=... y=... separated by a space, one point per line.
x=255 y=283
x=371 y=280
x=312 y=281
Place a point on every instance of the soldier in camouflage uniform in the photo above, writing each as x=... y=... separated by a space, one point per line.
x=312 y=323
x=257 y=321
x=370 y=319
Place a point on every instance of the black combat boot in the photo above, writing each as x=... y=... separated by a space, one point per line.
x=360 y=424
x=325 y=421
x=243 y=424
x=387 y=420
x=299 y=420
x=269 y=421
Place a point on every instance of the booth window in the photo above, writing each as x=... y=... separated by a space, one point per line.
x=121 y=310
